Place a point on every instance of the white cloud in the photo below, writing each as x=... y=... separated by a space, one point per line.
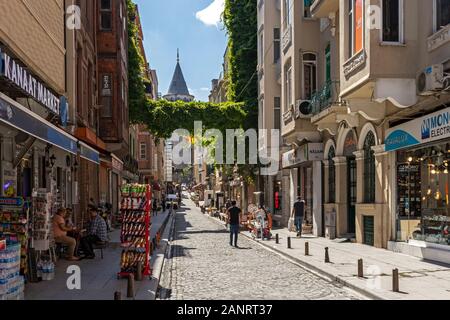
x=211 y=15
x=204 y=89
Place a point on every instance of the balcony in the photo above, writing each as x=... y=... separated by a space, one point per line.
x=286 y=40
x=326 y=106
x=322 y=8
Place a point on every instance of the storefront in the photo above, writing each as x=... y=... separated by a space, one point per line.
x=305 y=166
x=421 y=151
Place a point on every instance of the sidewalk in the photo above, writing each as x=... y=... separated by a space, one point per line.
x=98 y=277
x=419 y=280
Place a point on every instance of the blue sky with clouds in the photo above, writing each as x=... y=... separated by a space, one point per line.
x=194 y=27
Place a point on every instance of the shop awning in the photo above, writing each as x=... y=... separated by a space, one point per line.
x=89 y=153
x=15 y=115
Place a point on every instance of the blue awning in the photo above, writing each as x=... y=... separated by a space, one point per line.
x=15 y=115
x=89 y=153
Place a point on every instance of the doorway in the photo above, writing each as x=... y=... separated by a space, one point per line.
x=351 y=194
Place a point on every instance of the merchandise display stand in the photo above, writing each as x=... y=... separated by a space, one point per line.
x=135 y=236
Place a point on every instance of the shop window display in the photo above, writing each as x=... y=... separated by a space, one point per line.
x=423 y=194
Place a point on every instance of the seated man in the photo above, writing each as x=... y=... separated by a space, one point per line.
x=97 y=233
x=60 y=230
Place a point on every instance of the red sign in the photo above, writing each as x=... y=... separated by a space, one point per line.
x=2 y=245
x=277 y=200
x=359 y=25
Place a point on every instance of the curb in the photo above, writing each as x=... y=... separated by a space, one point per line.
x=307 y=265
x=160 y=253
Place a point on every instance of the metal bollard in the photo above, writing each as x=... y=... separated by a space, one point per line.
x=130 y=291
x=139 y=271
x=395 y=281
x=117 y=295
x=277 y=239
x=307 y=248
x=289 y=242
x=360 y=269
x=327 y=256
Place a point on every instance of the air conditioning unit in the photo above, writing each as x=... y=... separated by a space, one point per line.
x=303 y=109
x=430 y=80
x=446 y=82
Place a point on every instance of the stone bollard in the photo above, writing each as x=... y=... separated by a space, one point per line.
x=139 y=271
x=289 y=242
x=395 y=281
x=360 y=269
x=277 y=239
x=117 y=295
x=130 y=291
x=327 y=256
x=306 y=248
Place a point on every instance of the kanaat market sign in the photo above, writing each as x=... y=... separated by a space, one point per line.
x=23 y=79
x=435 y=126
x=307 y=152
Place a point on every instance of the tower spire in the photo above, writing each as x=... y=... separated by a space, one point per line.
x=178 y=55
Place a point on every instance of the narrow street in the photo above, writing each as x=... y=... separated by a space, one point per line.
x=202 y=265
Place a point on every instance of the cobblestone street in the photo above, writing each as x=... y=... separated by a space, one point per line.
x=202 y=265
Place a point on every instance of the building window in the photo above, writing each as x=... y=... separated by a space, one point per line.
x=261 y=48
x=307 y=8
x=392 y=20
x=369 y=169
x=309 y=75
x=331 y=176
x=261 y=113
x=288 y=88
x=277 y=113
x=276 y=45
x=143 y=151
x=442 y=14
x=355 y=26
x=287 y=13
x=106 y=95
x=105 y=15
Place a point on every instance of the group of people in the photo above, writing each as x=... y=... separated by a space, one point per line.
x=234 y=218
x=65 y=233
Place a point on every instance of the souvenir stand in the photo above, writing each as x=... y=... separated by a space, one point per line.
x=135 y=236
x=14 y=217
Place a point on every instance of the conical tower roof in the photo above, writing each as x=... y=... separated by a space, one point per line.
x=178 y=85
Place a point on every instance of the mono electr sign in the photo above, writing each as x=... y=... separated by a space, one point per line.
x=432 y=127
x=22 y=78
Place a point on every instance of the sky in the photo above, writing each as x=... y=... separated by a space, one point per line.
x=194 y=27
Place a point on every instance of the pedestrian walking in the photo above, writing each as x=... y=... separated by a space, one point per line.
x=163 y=204
x=155 y=207
x=234 y=215
x=298 y=212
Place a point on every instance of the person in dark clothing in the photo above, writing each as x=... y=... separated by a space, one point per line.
x=298 y=212
x=155 y=207
x=163 y=203
x=234 y=214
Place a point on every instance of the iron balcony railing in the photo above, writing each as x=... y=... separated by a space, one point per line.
x=325 y=97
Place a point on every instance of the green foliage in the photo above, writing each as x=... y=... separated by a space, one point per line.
x=163 y=117
x=240 y=19
x=136 y=65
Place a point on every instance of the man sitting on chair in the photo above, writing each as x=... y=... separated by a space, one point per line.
x=97 y=233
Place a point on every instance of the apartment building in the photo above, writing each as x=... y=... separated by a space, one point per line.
x=33 y=90
x=365 y=97
x=303 y=147
x=269 y=78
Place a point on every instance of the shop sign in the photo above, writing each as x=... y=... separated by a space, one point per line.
x=89 y=154
x=435 y=126
x=20 y=118
x=23 y=79
x=117 y=165
x=307 y=152
x=12 y=202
